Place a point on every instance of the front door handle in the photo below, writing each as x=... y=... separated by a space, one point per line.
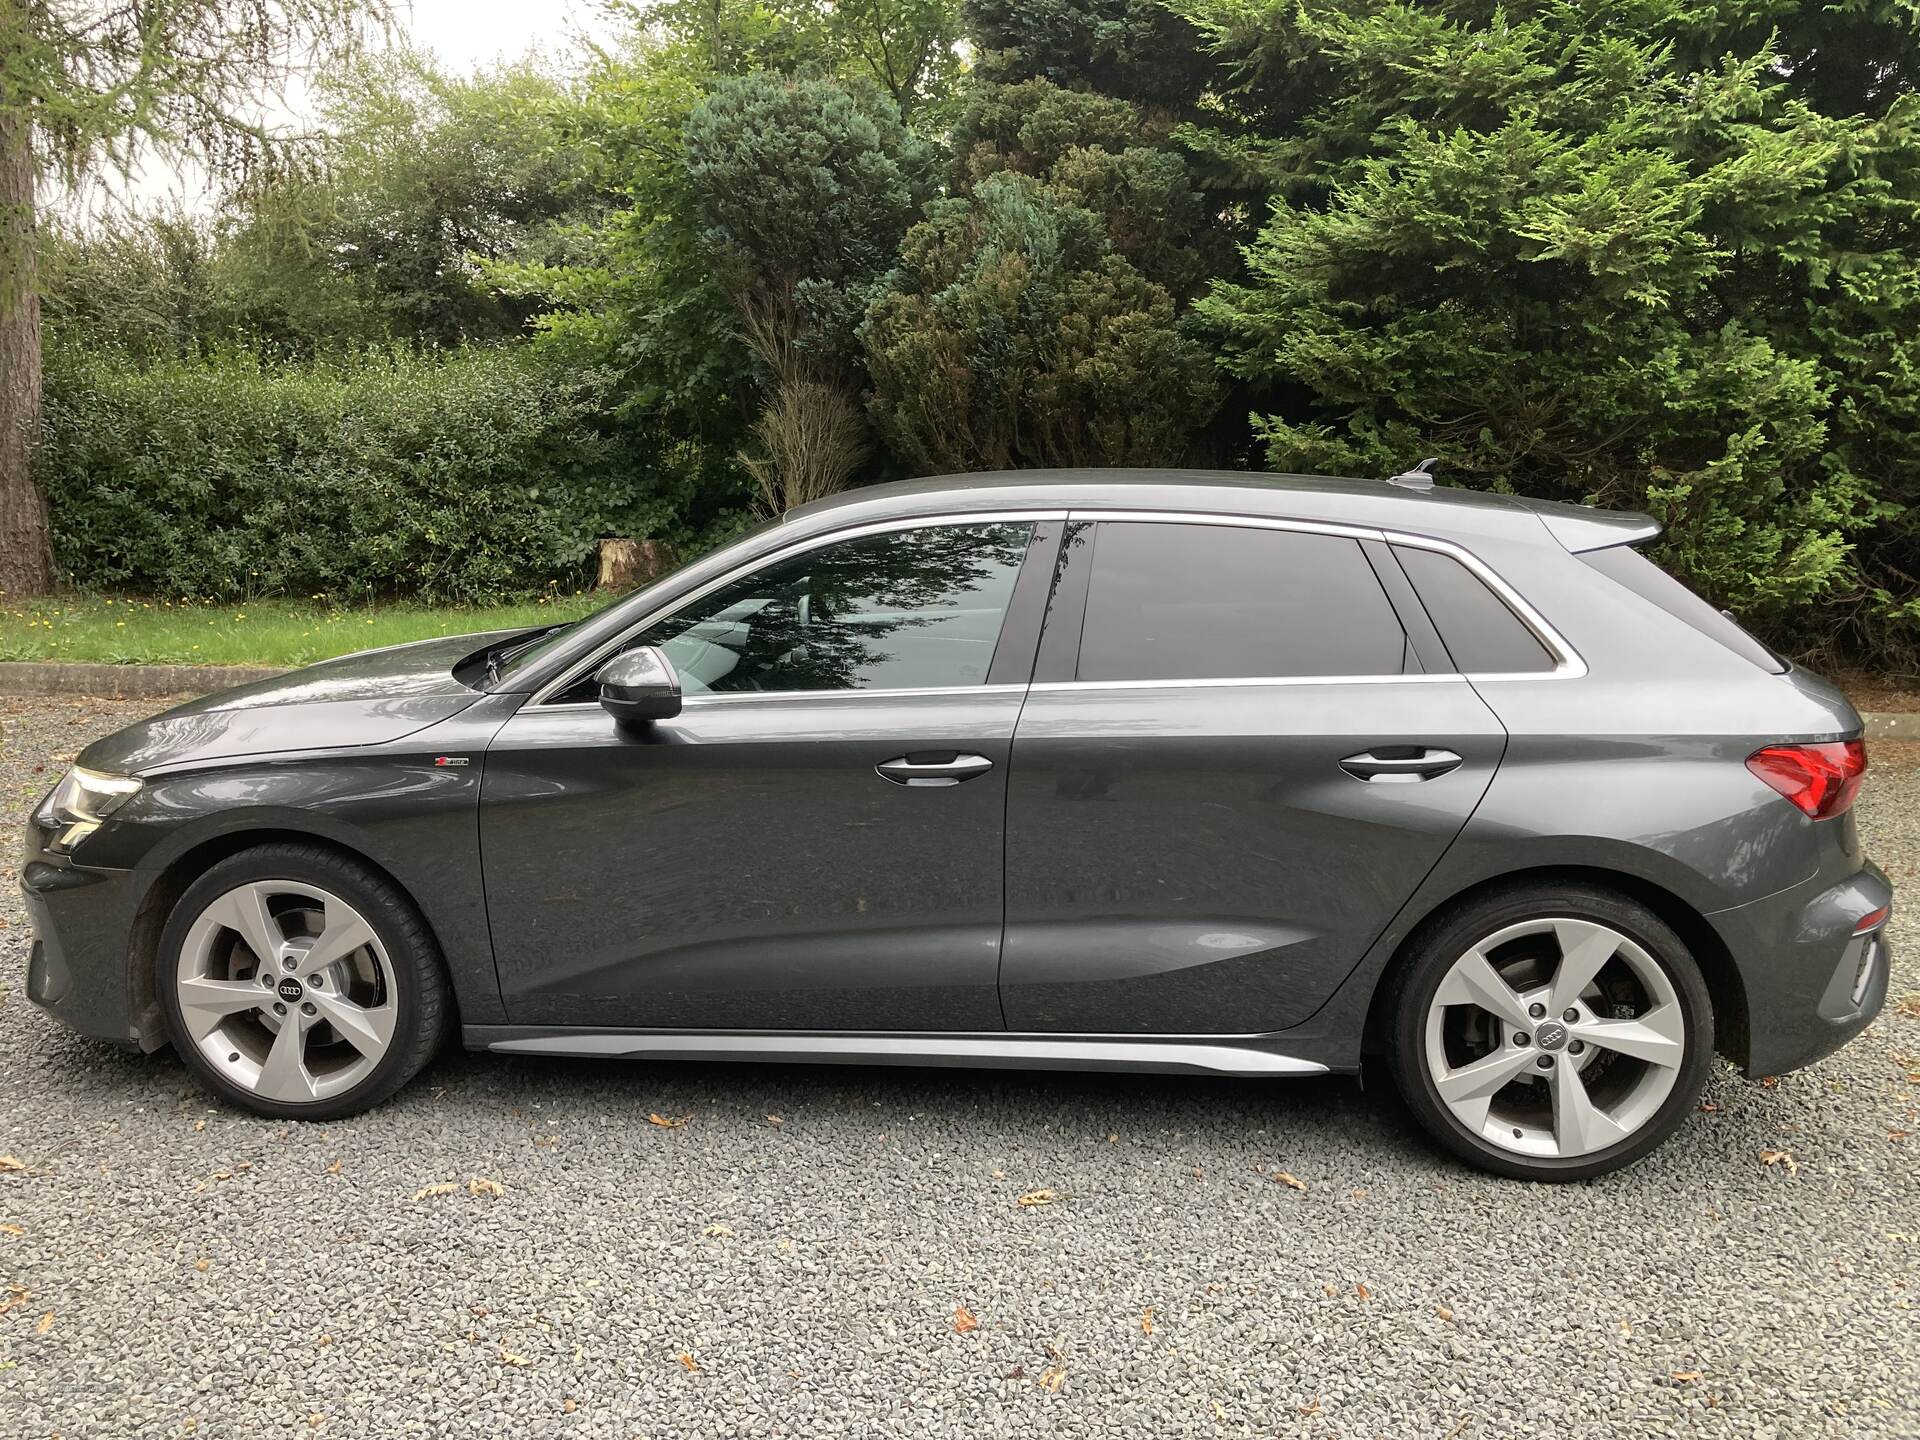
x=1400 y=764
x=924 y=770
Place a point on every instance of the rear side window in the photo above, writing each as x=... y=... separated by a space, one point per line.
x=1225 y=602
x=1647 y=580
x=1480 y=631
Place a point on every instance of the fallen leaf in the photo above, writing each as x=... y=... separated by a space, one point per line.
x=13 y=1229
x=688 y=1363
x=667 y=1122
x=1330 y=1289
x=964 y=1320
x=1769 y=1082
x=1362 y=1291
x=1052 y=1378
x=1780 y=1157
x=16 y=1295
x=480 y=1185
x=1037 y=1197
x=1146 y=1321
x=1707 y=1107
x=11 y=1163
x=316 y=1420
x=1018 y=1372
x=1443 y=1312
x=776 y=1119
x=1898 y=1135
x=443 y=1187
x=1686 y=1377
x=1313 y=1409
x=1112 y=1139
x=335 y=1167
x=46 y=1324
x=200 y=1124
x=1909 y=1006
x=717 y=1232
x=1292 y=1182
x=507 y=1357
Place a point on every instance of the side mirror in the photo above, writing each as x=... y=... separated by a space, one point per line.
x=639 y=686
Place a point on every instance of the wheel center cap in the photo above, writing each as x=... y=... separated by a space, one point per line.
x=1551 y=1036
x=290 y=989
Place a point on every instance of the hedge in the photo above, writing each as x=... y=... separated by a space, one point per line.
x=474 y=475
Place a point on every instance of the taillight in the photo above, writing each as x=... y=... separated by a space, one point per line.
x=1821 y=779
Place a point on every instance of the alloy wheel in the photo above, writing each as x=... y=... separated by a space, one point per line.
x=287 y=991
x=1555 y=1037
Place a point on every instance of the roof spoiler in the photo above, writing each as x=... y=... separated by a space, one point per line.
x=1582 y=527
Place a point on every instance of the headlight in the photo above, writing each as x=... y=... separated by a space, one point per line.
x=81 y=800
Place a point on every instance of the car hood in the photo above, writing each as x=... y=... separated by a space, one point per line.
x=372 y=698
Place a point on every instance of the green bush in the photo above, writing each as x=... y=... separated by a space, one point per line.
x=475 y=475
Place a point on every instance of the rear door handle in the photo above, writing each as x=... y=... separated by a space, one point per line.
x=1402 y=764
x=921 y=771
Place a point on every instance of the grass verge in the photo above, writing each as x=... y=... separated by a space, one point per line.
x=131 y=630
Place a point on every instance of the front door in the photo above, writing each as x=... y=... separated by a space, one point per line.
x=816 y=841
x=1232 y=770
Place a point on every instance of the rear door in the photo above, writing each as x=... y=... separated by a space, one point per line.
x=1236 y=762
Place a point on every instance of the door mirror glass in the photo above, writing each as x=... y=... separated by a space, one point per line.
x=639 y=686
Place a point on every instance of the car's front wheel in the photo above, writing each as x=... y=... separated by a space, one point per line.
x=299 y=983
x=1551 y=1033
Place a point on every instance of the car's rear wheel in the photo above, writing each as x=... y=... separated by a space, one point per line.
x=299 y=983
x=1551 y=1033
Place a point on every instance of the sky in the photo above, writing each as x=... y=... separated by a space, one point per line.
x=463 y=35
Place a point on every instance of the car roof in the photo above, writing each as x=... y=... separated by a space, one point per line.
x=1439 y=510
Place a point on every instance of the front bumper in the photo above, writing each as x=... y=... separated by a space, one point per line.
x=77 y=968
x=1812 y=978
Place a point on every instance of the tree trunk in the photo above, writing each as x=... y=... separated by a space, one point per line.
x=26 y=551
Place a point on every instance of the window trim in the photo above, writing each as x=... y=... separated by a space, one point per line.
x=1567 y=662
x=1568 y=665
x=601 y=653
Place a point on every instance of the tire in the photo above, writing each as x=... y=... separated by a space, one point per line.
x=1552 y=1098
x=303 y=1033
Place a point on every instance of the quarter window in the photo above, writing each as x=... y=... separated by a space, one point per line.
x=1482 y=635
x=1168 y=601
x=900 y=610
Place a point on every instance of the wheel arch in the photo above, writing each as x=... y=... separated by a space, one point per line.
x=1724 y=984
x=178 y=875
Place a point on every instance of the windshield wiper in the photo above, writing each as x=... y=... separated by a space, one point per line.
x=498 y=655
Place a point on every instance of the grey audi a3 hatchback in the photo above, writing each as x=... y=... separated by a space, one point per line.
x=1136 y=770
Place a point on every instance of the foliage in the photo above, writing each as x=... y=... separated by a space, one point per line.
x=1588 y=252
x=1013 y=334
x=474 y=476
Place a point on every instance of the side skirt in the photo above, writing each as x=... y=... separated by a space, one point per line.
x=1205 y=1056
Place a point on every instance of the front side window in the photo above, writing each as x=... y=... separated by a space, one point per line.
x=900 y=610
x=1170 y=601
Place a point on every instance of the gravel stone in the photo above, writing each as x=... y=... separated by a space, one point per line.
x=788 y=1261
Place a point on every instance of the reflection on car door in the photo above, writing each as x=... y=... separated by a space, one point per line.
x=816 y=842
x=1234 y=766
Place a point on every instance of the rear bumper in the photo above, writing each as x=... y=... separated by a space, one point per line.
x=1811 y=977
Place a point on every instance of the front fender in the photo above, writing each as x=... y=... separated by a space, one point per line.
x=399 y=807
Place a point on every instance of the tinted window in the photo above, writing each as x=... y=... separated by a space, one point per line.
x=1482 y=635
x=1216 y=602
x=903 y=610
x=1650 y=582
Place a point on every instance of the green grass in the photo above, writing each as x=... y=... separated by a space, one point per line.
x=130 y=630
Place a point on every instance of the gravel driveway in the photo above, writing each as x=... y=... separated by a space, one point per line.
x=521 y=1246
